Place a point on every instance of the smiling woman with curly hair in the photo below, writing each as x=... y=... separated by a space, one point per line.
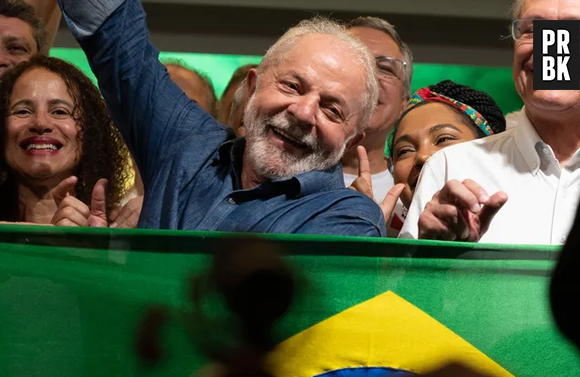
x=58 y=143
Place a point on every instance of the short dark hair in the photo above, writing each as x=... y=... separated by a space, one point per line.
x=103 y=151
x=389 y=29
x=206 y=81
x=25 y=12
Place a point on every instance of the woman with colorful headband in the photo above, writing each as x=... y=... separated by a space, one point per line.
x=436 y=117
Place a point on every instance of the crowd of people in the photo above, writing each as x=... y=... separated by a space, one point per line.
x=295 y=144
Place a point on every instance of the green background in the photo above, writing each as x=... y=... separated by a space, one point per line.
x=497 y=82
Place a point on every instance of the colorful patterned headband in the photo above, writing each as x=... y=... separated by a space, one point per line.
x=425 y=94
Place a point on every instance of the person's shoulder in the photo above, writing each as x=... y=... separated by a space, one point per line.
x=214 y=132
x=347 y=212
x=353 y=203
x=483 y=144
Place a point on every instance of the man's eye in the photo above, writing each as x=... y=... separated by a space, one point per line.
x=291 y=85
x=17 y=48
x=334 y=112
x=386 y=70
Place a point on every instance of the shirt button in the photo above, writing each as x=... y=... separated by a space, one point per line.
x=534 y=165
x=546 y=151
x=563 y=239
x=231 y=201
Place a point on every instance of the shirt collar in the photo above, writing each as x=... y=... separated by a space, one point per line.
x=528 y=142
x=232 y=149
x=311 y=182
x=536 y=152
x=232 y=152
x=321 y=180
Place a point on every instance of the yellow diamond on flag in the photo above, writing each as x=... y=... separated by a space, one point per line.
x=385 y=331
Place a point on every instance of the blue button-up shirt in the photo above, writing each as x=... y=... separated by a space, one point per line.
x=191 y=164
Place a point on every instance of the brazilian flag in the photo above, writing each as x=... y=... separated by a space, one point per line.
x=71 y=301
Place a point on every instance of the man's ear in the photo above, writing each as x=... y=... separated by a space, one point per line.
x=354 y=141
x=251 y=81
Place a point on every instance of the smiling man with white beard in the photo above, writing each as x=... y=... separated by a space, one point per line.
x=311 y=153
x=309 y=100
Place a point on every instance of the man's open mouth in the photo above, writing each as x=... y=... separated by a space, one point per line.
x=289 y=138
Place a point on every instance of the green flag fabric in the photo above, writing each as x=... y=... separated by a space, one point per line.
x=71 y=301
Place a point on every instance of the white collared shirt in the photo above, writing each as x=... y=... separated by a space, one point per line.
x=543 y=198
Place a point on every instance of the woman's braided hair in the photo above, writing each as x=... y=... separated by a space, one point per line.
x=480 y=101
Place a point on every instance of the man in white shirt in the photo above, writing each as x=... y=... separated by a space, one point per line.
x=395 y=67
x=521 y=186
x=511 y=119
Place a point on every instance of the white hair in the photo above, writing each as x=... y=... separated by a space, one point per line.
x=322 y=26
x=236 y=102
x=516 y=9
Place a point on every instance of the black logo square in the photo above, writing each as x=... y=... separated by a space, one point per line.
x=556 y=54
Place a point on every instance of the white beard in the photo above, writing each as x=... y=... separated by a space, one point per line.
x=271 y=162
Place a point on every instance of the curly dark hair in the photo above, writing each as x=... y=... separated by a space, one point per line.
x=480 y=101
x=25 y=12
x=103 y=151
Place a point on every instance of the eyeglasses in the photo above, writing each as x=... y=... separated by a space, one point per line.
x=523 y=30
x=391 y=68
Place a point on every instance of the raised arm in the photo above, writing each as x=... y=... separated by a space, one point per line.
x=50 y=15
x=153 y=114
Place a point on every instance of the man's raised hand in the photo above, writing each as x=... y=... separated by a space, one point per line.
x=364 y=184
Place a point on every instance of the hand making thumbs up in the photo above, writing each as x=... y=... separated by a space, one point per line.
x=72 y=212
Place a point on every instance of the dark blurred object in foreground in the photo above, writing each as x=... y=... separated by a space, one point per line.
x=456 y=370
x=565 y=287
x=255 y=286
x=258 y=288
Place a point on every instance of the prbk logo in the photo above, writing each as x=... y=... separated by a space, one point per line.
x=556 y=55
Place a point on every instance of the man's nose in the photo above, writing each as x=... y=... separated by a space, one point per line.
x=304 y=110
